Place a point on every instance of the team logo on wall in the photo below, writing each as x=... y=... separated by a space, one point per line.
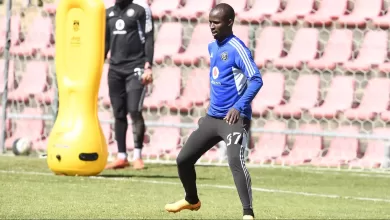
x=76 y=25
x=130 y=12
x=224 y=56
x=215 y=72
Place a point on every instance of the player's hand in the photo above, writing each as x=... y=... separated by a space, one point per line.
x=232 y=116
x=147 y=76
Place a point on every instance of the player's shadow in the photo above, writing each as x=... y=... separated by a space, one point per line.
x=145 y=176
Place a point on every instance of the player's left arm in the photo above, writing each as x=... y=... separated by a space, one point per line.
x=146 y=23
x=244 y=61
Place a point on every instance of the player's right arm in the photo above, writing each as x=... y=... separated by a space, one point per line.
x=107 y=37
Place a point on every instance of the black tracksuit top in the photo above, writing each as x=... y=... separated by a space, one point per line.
x=129 y=36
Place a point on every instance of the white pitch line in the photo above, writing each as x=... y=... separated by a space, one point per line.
x=349 y=174
x=332 y=196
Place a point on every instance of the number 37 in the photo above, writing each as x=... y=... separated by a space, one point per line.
x=234 y=135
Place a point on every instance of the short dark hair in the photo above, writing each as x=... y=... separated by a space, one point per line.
x=226 y=9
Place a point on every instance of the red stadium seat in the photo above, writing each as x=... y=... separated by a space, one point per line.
x=375 y=153
x=50 y=8
x=339 y=97
x=374 y=101
x=41 y=145
x=39 y=36
x=15 y=31
x=384 y=67
x=260 y=10
x=306 y=147
x=215 y=153
x=382 y=21
x=361 y=12
x=242 y=32
x=47 y=97
x=304 y=48
x=173 y=153
x=27 y=128
x=161 y=8
x=109 y=3
x=373 y=51
x=11 y=75
x=341 y=150
x=305 y=96
x=49 y=52
x=195 y=92
x=33 y=82
x=338 y=50
x=270 y=145
x=328 y=11
x=169 y=40
x=293 y=10
x=269 y=45
x=106 y=127
x=103 y=88
x=113 y=147
x=193 y=9
x=385 y=115
x=239 y=6
x=8 y=127
x=164 y=139
x=271 y=94
x=200 y=38
x=166 y=87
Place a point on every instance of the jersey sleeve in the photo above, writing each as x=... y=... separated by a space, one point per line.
x=146 y=22
x=244 y=61
x=107 y=37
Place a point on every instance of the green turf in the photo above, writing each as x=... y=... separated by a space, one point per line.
x=31 y=191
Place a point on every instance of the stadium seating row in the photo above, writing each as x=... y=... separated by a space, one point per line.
x=39 y=38
x=269 y=147
x=305 y=97
x=169 y=91
x=345 y=12
x=33 y=83
x=270 y=46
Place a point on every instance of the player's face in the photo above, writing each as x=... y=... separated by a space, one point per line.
x=218 y=25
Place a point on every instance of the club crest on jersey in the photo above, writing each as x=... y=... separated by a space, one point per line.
x=224 y=56
x=130 y=12
x=215 y=72
x=119 y=26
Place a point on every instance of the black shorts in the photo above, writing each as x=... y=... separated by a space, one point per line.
x=126 y=92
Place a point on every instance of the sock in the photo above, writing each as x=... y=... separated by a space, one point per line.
x=137 y=153
x=122 y=156
x=249 y=212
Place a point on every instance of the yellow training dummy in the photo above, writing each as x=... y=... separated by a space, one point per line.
x=76 y=144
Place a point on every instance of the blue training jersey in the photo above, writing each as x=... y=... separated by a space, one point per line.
x=234 y=78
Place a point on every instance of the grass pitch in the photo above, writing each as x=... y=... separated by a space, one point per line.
x=29 y=190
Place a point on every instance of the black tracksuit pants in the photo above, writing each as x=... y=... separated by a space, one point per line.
x=211 y=131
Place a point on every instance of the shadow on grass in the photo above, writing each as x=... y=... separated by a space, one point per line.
x=145 y=176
